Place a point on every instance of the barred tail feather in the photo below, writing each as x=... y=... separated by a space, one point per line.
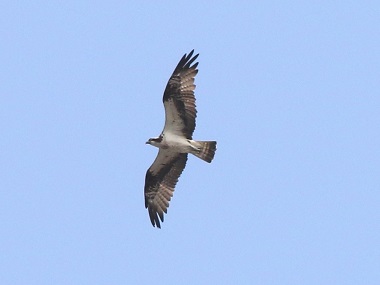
x=206 y=150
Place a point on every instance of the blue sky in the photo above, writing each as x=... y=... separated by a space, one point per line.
x=289 y=89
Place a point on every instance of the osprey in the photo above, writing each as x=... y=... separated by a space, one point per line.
x=175 y=141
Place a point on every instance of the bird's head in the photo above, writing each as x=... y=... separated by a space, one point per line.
x=154 y=141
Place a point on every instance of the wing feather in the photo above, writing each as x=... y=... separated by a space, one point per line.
x=179 y=99
x=160 y=181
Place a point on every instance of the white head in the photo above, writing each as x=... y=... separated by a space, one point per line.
x=155 y=141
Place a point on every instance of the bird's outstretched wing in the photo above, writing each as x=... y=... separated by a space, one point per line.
x=179 y=100
x=160 y=181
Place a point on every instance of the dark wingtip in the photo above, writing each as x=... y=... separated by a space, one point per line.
x=186 y=61
x=153 y=215
x=190 y=59
x=156 y=223
x=189 y=55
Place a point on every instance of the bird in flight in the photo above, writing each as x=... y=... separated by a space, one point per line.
x=175 y=141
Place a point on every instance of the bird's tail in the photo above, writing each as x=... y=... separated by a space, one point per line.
x=206 y=150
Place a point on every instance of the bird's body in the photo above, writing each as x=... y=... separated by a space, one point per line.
x=175 y=141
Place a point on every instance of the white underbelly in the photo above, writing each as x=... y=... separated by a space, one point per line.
x=178 y=143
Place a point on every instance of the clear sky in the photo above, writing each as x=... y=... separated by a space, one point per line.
x=289 y=89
